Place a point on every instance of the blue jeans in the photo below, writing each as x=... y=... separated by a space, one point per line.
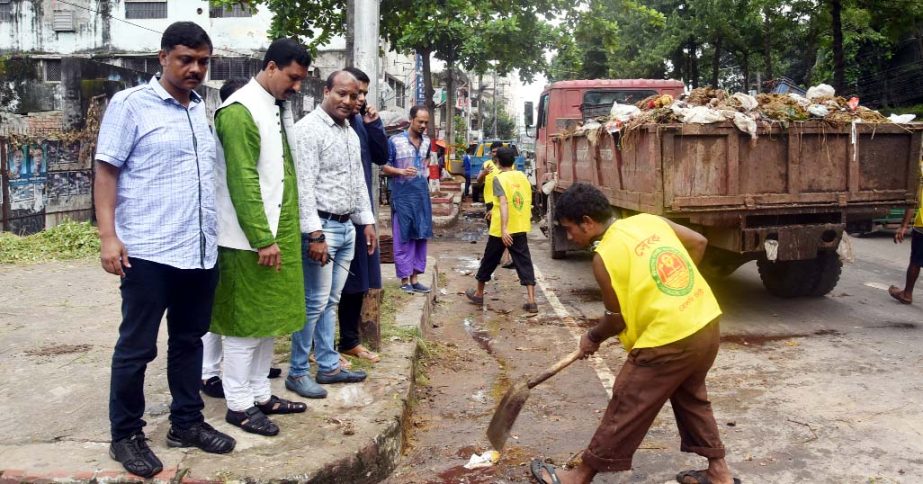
x=322 y=288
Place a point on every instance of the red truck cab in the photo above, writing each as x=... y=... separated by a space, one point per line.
x=566 y=103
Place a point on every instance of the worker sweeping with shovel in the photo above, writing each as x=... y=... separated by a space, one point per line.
x=666 y=317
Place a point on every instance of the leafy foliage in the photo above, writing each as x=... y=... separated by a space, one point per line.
x=69 y=240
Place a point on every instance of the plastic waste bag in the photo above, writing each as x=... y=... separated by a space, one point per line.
x=818 y=110
x=747 y=102
x=901 y=118
x=486 y=459
x=821 y=90
x=623 y=112
x=703 y=115
x=353 y=396
x=801 y=100
x=746 y=124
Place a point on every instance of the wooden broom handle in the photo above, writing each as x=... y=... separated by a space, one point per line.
x=553 y=370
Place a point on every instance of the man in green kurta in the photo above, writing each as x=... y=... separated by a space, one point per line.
x=260 y=291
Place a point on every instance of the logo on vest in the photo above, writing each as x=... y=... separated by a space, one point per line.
x=671 y=271
x=518 y=201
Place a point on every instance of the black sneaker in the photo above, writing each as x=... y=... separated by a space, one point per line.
x=203 y=436
x=135 y=456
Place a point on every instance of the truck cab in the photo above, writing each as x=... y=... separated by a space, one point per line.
x=564 y=104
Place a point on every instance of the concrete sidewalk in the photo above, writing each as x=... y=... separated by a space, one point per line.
x=59 y=323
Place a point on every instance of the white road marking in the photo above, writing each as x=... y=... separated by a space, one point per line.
x=599 y=366
x=877 y=285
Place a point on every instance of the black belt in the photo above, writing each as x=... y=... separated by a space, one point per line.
x=332 y=216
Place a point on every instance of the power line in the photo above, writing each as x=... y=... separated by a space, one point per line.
x=110 y=16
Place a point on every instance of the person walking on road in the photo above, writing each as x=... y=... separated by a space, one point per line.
x=261 y=283
x=333 y=200
x=509 y=229
x=666 y=317
x=366 y=268
x=154 y=193
x=411 y=208
x=466 y=163
x=905 y=295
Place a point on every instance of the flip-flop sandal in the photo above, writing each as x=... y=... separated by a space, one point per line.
x=701 y=477
x=473 y=297
x=345 y=363
x=898 y=294
x=276 y=405
x=537 y=466
x=530 y=307
x=364 y=354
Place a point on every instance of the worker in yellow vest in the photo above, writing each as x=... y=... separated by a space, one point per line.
x=666 y=317
x=510 y=224
x=905 y=295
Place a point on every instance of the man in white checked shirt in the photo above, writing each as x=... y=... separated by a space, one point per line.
x=155 y=206
x=331 y=196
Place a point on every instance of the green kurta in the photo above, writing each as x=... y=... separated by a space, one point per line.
x=255 y=301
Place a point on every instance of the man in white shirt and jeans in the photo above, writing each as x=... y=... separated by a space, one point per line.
x=332 y=196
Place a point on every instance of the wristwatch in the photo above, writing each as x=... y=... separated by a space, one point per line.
x=315 y=240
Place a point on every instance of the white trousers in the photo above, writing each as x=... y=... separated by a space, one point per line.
x=211 y=355
x=246 y=371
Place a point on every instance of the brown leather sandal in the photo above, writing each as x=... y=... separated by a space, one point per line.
x=363 y=353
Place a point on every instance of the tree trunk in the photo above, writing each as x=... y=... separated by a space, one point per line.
x=694 y=63
x=716 y=63
x=745 y=64
x=428 y=93
x=449 y=104
x=767 y=45
x=839 y=63
x=481 y=104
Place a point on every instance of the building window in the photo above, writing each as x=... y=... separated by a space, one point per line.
x=143 y=10
x=400 y=92
x=235 y=10
x=224 y=68
x=150 y=65
x=52 y=70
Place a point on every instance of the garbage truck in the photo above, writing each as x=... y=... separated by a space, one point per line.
x=780 y=196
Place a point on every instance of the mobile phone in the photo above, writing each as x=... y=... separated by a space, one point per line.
x=363 y=109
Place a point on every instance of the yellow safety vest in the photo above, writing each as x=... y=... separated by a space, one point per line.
x=662 y=294
x=489 y=181
x=918 y=218
x=518 y=193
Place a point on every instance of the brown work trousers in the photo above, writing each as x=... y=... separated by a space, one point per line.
x=648 y=378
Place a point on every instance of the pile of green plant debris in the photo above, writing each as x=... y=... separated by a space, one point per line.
x=69 y=240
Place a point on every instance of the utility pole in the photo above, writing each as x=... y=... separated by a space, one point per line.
x=495 y=104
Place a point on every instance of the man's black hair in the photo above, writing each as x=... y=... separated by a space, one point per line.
x=358 y=74
x=284 y=51
x=496 y=144
x=332 y=77
x=506 y=156
x=230 y=86
x=415 y=109
x=190 y=34
x=583 y=199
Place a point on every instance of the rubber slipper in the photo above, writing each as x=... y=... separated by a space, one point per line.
x=362 y=353
x=537 y=466
x=898 y=294
x=701 y=477
x=530 y=307
x=345 y=363
x=473 y=297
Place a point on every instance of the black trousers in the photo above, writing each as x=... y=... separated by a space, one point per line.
x=349 y=312
x=467 y=185
x=148 y=290
x=519 y=251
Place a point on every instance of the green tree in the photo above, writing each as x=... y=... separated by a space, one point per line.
x=505 y=124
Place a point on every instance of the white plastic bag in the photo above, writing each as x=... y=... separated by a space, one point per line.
x=747 y=102
x=821 y=90
x=353 y=396
x=703 y=115
x=746 y=124
x=801 y=100
x=901 y=118
x=623 y=112
x=486 y=459
x=818 y=110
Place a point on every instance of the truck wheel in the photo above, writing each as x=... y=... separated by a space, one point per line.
x=555 y=232
x=828 y=267
x=791 y=278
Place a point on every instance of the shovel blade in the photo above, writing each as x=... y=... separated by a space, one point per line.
x=505 y=416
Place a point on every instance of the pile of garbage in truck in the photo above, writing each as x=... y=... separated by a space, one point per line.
x=708 y=105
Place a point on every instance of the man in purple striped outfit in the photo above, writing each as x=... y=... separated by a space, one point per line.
x=411 y=210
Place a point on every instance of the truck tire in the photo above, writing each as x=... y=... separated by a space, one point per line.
x=554 y=230
x=796 y=278
x=828 y=268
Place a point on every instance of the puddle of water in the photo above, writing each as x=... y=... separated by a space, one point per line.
x=762 y=339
